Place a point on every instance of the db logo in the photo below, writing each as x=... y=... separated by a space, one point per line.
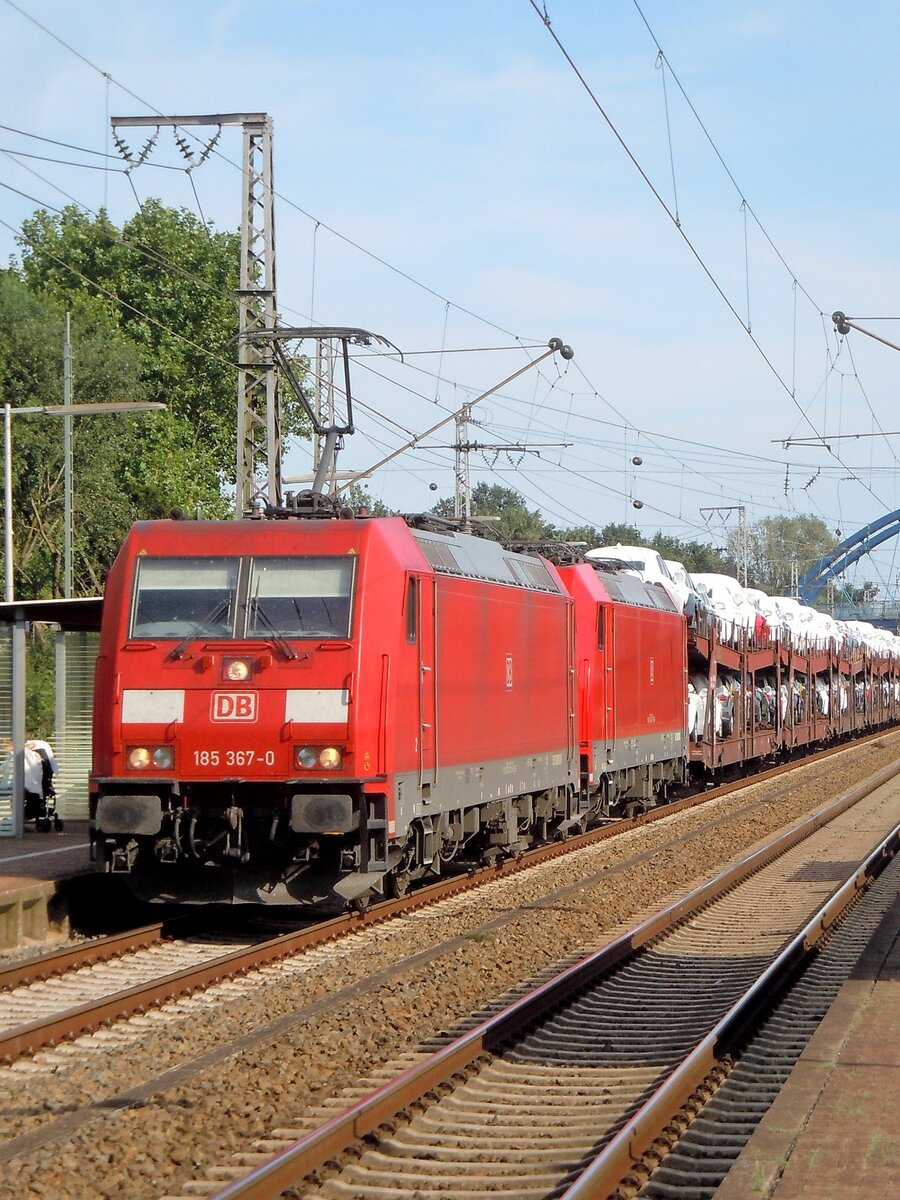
x=234 y=706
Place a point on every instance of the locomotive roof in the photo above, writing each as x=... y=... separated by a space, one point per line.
x=622 y=587
x=448 y=553
x=478 y=558
x=628 y=589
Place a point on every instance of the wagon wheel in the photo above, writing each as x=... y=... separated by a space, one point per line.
x=396 y=884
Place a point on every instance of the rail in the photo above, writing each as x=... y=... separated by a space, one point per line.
x=467 y=1053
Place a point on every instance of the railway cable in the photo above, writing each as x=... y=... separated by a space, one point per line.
x=188 y=133
x=545 y=20
x=148 y=252
x=444 y=300
x=287 y=200
x=580 y=517
x=154 y=256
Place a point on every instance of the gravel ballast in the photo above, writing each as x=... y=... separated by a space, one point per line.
x=471 y=948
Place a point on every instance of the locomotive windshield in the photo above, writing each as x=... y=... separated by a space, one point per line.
x=300 y=597
x=175 y=597
x=227 y=598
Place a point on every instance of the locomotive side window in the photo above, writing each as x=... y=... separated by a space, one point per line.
x=177 y=597
x=412 y=609
x=300 y=597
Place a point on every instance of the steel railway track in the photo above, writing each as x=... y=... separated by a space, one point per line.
x=52 y=984
x=699 y=1160
x=565 y=1092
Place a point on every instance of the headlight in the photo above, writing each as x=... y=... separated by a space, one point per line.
x=141 y=757
x=236 y=669
x=327 y=758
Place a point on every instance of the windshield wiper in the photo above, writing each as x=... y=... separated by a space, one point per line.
x=278 y=638
x=197 y=628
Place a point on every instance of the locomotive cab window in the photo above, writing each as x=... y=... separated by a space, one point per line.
x=174 y=597
x=300 y=597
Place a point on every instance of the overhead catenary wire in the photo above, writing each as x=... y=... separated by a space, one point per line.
x=545 y=20
x=286 y=199
x=148 y=252
x=107 y=79
x=420 y=446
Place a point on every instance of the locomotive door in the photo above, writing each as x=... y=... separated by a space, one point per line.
x=426 y=594
x=606 y=684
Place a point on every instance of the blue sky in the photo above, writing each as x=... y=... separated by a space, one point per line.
x=444 y=179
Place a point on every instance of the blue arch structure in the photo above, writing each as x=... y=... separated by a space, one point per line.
x=844 y=555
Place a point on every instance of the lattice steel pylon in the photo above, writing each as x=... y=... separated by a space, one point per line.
x=258 y=475
x=258 y=479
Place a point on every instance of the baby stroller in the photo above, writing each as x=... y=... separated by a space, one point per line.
x=47 y=814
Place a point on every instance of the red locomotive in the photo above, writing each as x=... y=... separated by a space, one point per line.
x=315 y=711
x=312 y=710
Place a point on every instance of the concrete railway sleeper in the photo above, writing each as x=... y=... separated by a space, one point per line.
x=563 y=1093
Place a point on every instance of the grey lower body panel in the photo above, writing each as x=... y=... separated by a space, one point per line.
x=649 y=748
x=471 y=784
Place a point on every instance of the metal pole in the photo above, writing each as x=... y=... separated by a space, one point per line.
x=326 y=462
x=462 y=507
x=258 y=466
x=67 y=456
x=259 y=401
x=844 y=324
x=7 y=500
x=18 y=724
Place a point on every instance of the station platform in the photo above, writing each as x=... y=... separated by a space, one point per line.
x=36 y=872
x=833 y=1133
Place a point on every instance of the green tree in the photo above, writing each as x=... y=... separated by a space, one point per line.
x=169 y=283
x=612 y=534
x=515 y=521
x=694 y=556
x=107 y=368
x=866 y=593
x=779 y=548
x=620 y=534
x=358 y=495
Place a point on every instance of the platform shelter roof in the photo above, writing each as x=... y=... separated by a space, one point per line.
x=79 y=613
